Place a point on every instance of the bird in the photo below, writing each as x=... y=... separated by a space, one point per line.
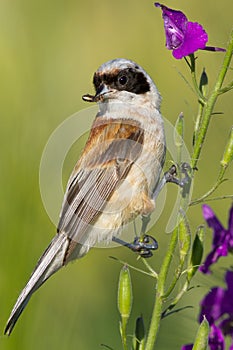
x=116 y=175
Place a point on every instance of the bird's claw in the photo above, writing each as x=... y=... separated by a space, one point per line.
x=171 y=174
x=144 y=245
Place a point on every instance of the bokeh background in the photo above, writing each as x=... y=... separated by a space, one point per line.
x=49 y=51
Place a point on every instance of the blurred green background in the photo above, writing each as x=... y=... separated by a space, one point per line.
x=49 y=52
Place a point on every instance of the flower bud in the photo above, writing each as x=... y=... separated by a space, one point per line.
x=139 y=336
x=197 y=253
x=125 y=295
x=201 y=341
x=203 y=82
x=228 y=153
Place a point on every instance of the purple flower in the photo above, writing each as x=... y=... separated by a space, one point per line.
x=222 y=239
x=216 y=339
x=218 y=303
x=187 y=347
x=217 y=307
x=182 y=36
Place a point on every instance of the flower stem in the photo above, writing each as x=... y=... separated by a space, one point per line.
x=198 y=122
x=123 y=334
x=207 y=194
x=159 y=296
x=192 y=66
x=152 y=271
x=210 y=105
x=227 y=196
x=177 y=298
x=226 y=88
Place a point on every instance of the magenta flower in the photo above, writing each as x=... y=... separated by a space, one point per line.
x=222 y=238
x=182 y=36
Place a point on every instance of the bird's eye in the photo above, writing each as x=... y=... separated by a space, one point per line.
x=123 y=79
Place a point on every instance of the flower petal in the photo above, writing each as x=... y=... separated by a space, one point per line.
x=230 y=230
x=212 y=305
x=229 y=281
x=207 y=212
x=214 y=48
x=230 y=222
x=175 y=23
x=213 y=256
x=195 y=38
x=216 y=339
x=176 y=17
x=227 y=326
x=187 y=347
x=214 y=223
x=227 y=306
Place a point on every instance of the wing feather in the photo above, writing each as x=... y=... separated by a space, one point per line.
x=110 y=151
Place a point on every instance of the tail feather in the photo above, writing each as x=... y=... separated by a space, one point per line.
x=49 y=263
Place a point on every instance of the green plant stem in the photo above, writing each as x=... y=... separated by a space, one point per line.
x=226 y=88
x=210 y=105
x=184 y=239
x=177 y=275
x=159 y=296
x=207 y=194
x=152 y=271
x=227 y=196
x=177 y=298
x=198 y=122
x=123 y=334
x=192 y=66
x=151 y=274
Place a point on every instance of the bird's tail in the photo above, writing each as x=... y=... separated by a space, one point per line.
x=48 y=264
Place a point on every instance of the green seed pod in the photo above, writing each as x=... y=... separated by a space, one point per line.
x=179 y=130
x=184 y=239
x=201 y=341
x=197 y=252
x=228 y=153
x=125 y=296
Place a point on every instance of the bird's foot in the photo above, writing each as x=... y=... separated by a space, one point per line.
x=142 y=245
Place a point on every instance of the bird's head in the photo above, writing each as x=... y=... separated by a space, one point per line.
x=123 y=80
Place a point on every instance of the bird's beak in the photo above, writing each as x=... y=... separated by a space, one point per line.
x=101 y=91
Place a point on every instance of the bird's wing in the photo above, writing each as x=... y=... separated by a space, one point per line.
x=112 y=148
